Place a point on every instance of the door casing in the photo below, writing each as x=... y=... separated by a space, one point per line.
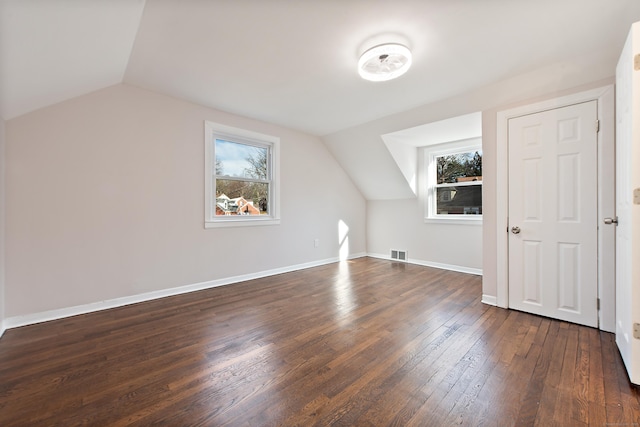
x=605 y=97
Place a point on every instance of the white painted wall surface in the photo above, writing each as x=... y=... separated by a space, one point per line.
x=2 y=232
x=387 y=229
x=105 y=199
x=399 y=224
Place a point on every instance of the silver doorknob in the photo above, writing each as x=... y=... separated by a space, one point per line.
x=611 y=220
x=515 y=230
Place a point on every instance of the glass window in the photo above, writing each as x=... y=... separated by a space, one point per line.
x=241 y=171
x=454 y=181
x=459 y=183
x=242 y=178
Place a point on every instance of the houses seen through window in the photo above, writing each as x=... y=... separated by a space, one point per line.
x=242 y=178
x=459 y=183
x=453 y=190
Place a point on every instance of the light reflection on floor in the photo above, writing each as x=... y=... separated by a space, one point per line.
x=343 y=295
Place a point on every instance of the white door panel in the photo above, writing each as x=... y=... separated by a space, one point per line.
x=553 y=205
x=628 y=178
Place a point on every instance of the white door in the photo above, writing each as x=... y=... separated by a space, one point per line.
x=628 y=206
x=553 y=204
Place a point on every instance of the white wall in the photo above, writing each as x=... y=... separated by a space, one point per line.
x=105 y=199
x=390 y=226
x=399 y=224
x=2 y=233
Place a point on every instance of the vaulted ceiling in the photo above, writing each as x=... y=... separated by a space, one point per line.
x=293 y=62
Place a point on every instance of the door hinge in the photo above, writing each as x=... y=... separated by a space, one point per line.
x=598 y=303
x=636 y=331
x=597 y=126
x=636 y=62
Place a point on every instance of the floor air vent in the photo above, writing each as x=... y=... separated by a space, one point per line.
x=398 y=255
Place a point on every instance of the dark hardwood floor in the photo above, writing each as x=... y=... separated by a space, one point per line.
x=360 y=343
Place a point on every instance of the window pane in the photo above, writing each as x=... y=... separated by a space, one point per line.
x=241 y=197
x=463 y=200
x=461 y=167
x=241 y=160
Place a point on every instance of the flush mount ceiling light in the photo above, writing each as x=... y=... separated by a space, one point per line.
x=384 y=62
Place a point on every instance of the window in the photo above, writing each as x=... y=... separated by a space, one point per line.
x=241 y=177
x=454 y=182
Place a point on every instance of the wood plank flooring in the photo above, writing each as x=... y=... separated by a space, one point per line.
x=360 y=343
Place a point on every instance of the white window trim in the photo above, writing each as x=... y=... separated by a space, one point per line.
x=213 y=131
x=430 y=154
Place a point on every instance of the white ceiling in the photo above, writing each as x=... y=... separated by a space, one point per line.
x=291 y=62
x=54 y=50
x=403 y=145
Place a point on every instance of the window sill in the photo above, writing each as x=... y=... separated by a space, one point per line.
x=241 y=222
x=457 y=220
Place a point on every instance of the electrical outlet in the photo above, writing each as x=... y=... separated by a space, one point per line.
x=636 y=196
x=316 y=243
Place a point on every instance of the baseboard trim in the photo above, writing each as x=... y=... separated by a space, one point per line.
x=45 y=316
x=489 y=300
x=450 y=267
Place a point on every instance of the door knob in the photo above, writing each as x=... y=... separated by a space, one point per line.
x=611 y=220
x=515 y=230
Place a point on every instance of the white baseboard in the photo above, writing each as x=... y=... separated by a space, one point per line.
x=489 y=300
x=458 y=268
x=29 y=319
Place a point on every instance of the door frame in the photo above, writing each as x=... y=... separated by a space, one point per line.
x=605 y=96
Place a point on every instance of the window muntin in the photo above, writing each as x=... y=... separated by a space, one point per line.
x=454 y=182
x=241 y=186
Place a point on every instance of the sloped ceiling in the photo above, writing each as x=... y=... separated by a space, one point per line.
x=403 y=145
x=53 y=50
x=292 y=62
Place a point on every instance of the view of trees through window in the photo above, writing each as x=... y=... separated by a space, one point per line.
x=242 y=178
x=459 y=183
x=460 y=165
